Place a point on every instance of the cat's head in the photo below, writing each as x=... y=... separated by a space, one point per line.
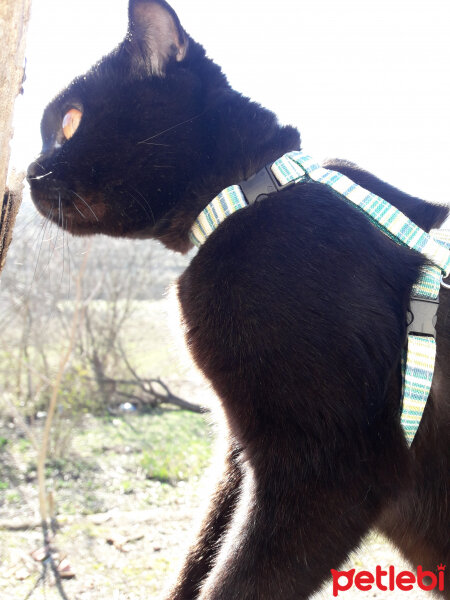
x=120 y=143
x=136 y=146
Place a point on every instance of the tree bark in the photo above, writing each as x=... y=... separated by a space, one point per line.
x=14 y=17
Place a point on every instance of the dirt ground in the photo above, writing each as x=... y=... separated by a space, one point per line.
x=133 y=555
x=121 y=535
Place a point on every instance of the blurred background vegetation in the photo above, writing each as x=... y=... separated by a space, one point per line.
x=128 y=432
x=123 y=285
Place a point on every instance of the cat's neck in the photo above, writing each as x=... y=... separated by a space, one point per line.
x=248 y=137
x=240 y=138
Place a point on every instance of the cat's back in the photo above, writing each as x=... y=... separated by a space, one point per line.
x=300 y=276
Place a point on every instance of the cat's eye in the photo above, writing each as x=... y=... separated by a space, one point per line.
x=71 y=121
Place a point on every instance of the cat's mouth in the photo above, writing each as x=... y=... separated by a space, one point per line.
x=85 y=214
x=70 y=210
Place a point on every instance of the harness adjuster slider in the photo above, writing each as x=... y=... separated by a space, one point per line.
x=259 y=186
x=424 y=315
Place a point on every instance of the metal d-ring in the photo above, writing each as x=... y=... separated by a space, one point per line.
x=444 y=285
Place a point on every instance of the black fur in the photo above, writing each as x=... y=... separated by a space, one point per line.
x=295 y=309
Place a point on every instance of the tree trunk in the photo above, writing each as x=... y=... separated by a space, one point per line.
x=14 y=17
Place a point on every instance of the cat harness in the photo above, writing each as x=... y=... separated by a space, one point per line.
x=420 y=350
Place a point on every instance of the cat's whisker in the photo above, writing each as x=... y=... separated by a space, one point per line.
x=38 y=232
x=78 y=210
x=46 y=223
x=146 y=202
x=171 y=128
x=52 y=251
x=39 y=241
x=35 y=162
x=24 y=226
x=56 y=236
x=68 y=263
x=52 y=237
x=146 y=206
x=154 y=144
x=61 y=210
x=42 y=176
x=84 y=202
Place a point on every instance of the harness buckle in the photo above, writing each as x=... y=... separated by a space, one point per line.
x=424 y=316
x=262 y=184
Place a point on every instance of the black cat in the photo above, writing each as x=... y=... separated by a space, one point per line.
x=295 y=308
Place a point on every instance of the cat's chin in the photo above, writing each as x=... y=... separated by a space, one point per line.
x=94 y=220
x=71 y=218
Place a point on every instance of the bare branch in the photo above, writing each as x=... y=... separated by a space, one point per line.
x=148 y=387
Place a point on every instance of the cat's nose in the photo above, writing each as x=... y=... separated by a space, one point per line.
x=34 y=170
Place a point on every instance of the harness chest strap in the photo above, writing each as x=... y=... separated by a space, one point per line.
x=296 y=167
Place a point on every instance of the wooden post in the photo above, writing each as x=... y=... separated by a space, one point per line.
x=14 y=17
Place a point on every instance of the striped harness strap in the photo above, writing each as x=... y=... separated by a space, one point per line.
x=420 y=352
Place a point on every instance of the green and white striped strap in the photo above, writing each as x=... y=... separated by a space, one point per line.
x=227 y=202
x=418 y=368
x=420 y=351
x=295 y=167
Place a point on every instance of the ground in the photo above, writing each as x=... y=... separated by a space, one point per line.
x=128 y=496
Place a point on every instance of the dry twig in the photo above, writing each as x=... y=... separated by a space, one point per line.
x=46 y=500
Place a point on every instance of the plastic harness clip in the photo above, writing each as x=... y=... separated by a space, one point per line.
x=424 y=316
x=259 y=186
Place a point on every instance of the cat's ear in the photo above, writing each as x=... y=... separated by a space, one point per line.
x=155 y=34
